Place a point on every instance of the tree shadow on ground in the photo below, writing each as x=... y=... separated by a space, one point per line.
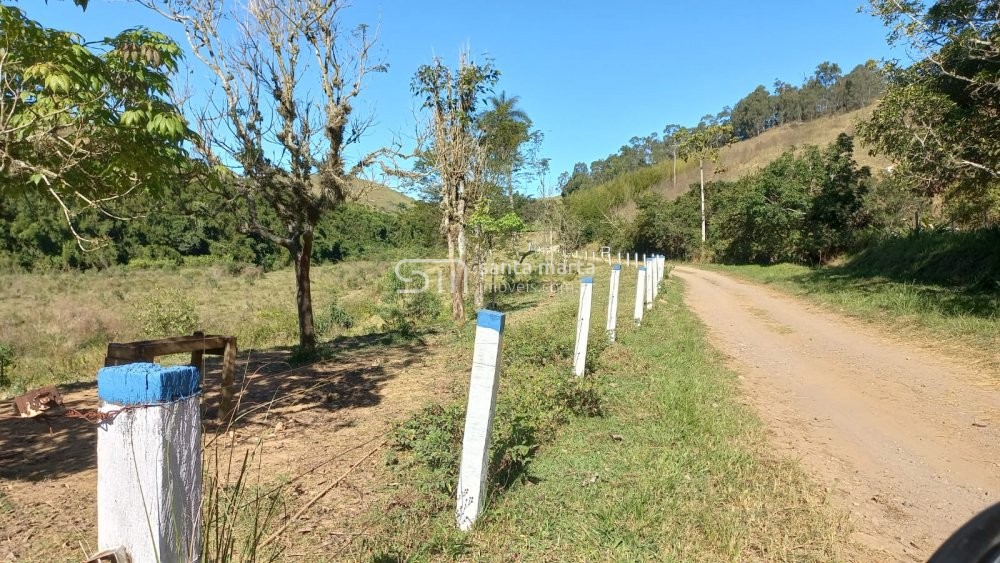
x=350 y=375
x=950 y=301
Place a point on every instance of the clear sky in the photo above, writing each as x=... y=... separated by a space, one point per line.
x=591 y=74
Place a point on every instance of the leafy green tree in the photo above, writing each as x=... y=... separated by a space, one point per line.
x=490 y=232
x=834 y=215
x=938 y=118
x=86 y=124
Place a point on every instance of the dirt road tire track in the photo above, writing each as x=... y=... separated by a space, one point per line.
x=906 y=439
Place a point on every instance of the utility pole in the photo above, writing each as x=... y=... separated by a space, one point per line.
x=701 y=167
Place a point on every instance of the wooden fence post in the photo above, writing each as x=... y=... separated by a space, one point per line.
x=149 y=462
x=612 y=325
x=479 y=418
x=583 y=325
x=640 y=293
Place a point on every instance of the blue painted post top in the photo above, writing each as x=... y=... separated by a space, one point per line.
x=490 y=319
x=587 y=280
x=642 y=268
x=616 y=267
x=146 y=383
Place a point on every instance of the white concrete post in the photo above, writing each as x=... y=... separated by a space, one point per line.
x=583 y=325
x=626 y=259
x=649 y=284
x=640 y=293
x=655 y=261
x=619 y=257
x=479 y=418
x=149 y=462
x=644 y=258
x=663 y=267
x=612 y=325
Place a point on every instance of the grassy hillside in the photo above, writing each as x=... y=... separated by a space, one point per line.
x=379 y=196
x=616 y=198
x=749 y=156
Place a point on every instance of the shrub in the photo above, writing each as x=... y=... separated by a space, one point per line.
x=407 y=313
x=335 y=316
x=7 y=362
x=166 y=312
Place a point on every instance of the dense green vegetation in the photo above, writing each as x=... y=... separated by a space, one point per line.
x=187 y=227
x=804 y=207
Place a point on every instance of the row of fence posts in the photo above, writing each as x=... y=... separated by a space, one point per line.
x=149 y=463
x=486 y=373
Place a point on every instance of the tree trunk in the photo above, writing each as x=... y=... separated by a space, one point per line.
x=302 y=256
x=457 y=275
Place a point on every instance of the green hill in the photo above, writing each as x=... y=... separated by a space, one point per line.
x=616 y=198
x=378 y=196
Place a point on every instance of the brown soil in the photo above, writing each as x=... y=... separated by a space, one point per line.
x=312 y=425
x=906 y=439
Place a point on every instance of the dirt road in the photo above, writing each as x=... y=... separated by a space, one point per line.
x=905 y=438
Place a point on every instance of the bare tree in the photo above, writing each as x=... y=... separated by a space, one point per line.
x=278 y=119
x=456 y=154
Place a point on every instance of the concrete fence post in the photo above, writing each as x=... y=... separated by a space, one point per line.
x=612 y=325
x=149 y=462
x=583 y=325
x=655 y=261
x=483 y=386
x=649 y=284
x=640 y=293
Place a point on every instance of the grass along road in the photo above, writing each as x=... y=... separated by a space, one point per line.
x=675 y=468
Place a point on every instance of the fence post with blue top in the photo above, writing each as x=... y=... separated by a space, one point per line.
x=479 y=418
x=149 y=462
x=612 y=325
x=583 y=325
x=640 y=294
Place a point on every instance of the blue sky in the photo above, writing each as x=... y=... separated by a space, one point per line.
x=591 y=74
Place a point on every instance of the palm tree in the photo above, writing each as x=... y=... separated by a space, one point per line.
x=505 y=127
